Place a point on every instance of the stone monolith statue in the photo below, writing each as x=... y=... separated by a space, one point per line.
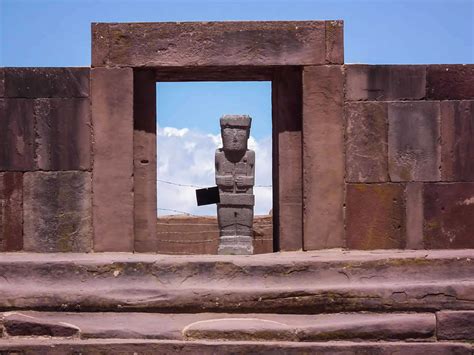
x=235 y=171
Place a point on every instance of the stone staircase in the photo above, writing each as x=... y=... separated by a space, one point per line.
x=326 y=302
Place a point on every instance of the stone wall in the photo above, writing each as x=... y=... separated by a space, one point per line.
x=45 y=160
x=409 y=141
x=200 y=235
x=364 y=156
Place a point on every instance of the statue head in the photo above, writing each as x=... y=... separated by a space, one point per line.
x=235 y=131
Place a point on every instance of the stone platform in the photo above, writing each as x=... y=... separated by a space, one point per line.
x=355 y=301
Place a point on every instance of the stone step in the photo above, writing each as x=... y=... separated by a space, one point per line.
x=298 y=282
x=147 y=346
x=220 y=326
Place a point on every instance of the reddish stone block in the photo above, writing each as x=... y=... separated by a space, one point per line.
x=455 y=325
x=385 y=82
x=414 y=151
x=366 y=142
x=144 y=160
x=57 y=211
x=323 y=157
x=11 y=211
x=375 y=216
x=112 y=117
x=18 y=324
x=335 y=42
x=450 y=82
x=448 y=215
x=16 y=134
x=287 y=184
x=209 y=44
x=457 y=140
x=63 y=134
x=46 y=82
x=414 y=215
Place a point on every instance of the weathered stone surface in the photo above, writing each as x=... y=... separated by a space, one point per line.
x=366 y=142
x=143 y=346
x=112 y=117
x=385 y=82
x=11 y=211
x=144 y=160
x=63 y=134
x=414 y=151
x=18 y=324
x=17 y=134
x=414 y=215
x=46 y=82
x=57 y=211
x=207 y=44
x=457 y=140
x=323 y=157
x=223 y=326
x=448 y=215
x=335 y=42
x=287 y=159
x=375 y=216
x=455 y=325
x=450 y=82
x=313 y=328
x=347 y=282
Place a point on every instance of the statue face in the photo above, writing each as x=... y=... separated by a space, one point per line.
x=234 y=138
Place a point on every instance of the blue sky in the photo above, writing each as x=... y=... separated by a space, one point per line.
x=57 y=33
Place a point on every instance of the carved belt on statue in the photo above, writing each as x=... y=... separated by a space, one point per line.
x=237 y=199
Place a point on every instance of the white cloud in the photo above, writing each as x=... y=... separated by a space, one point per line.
x=186 y=157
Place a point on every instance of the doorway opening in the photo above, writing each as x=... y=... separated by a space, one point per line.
x=188 y=134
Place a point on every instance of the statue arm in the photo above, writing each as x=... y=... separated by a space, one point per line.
x=222 y=180
x=249 y=179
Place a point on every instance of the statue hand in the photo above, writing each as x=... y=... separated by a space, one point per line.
x=240 y=180
x=228 y=180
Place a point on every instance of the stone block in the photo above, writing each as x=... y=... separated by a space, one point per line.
x=17 y=134
x=63 y=134
x=159 y=346
x=414 y=151
x=335 y=42
x=414 y=215
x=450 y=82
x=366 y=142
x=18 y=324
x=455 y=325
x=385 y=82
x=46 y=82
x=11 y=211
x=112 y=117
x=209 y=44
x=144 y=160
x=57 y=211
x=448 y=215
x=287 y=158
x=375 y=216
x=457 y=140
x=323 y=157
